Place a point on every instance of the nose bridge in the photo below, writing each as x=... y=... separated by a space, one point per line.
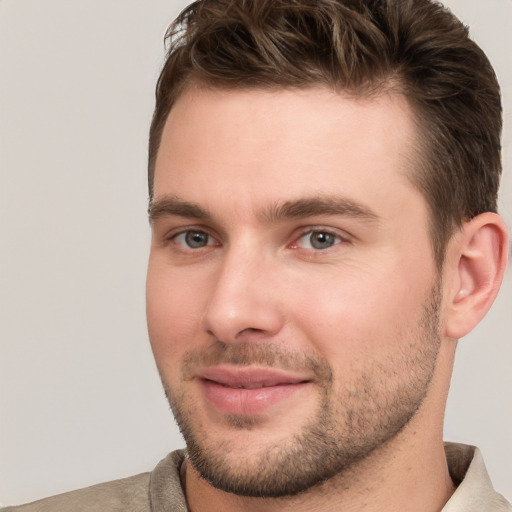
x=242 y=299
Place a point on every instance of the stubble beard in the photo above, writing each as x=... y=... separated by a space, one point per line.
x=350 y=424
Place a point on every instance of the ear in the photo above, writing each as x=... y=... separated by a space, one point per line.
x=475 y=265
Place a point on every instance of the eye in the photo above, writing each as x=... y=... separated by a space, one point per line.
x=194 y=239
x=318 y=240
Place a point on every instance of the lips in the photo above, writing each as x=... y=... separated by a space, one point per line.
x=249 y=390
x=254 y=385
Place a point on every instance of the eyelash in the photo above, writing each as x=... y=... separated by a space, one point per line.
x=339 y=238
x=310 y=231
x=173 y=236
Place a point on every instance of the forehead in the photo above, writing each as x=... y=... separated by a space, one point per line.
x=250 y=145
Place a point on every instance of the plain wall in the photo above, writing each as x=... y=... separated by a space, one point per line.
x=80 y=399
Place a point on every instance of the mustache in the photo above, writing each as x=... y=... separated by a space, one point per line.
x=246 y=354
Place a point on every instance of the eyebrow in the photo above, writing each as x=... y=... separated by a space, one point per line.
x=317 y=206
x=174 y=206
x=293 y=209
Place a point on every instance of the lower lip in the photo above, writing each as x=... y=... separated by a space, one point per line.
x=248 y=402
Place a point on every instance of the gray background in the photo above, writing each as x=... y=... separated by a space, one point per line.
x=80 y=400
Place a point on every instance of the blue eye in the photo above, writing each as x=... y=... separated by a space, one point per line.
x=194 y=239
x=318 y=240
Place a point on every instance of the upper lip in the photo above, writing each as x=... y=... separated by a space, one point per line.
x=250 y=377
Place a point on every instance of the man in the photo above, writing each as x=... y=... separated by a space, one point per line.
x=323 y=179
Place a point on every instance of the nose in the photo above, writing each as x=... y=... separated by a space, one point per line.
x=244 y=303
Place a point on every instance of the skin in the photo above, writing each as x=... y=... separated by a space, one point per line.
x=363 y=323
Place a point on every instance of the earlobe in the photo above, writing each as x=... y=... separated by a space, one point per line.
x=477 y=265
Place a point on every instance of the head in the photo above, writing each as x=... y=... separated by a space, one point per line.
x=309 y=163
x=415 y=48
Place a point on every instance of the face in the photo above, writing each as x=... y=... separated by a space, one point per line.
x=292 y=296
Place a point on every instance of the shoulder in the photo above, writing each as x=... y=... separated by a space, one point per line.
x=146 y=492
x=474 y=492
x=127 y=495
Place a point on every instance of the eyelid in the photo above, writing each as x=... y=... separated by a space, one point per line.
x=307 y=230
x=181 y=239
x=173 y=233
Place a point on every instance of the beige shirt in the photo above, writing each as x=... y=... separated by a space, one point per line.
x=161 y=491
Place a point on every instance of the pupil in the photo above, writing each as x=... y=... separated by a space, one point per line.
x=322 y=240
x=196 y=239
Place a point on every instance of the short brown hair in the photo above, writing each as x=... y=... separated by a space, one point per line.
x=416 y=47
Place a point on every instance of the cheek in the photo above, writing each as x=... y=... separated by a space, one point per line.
x=173 y=309
x=361 y=314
